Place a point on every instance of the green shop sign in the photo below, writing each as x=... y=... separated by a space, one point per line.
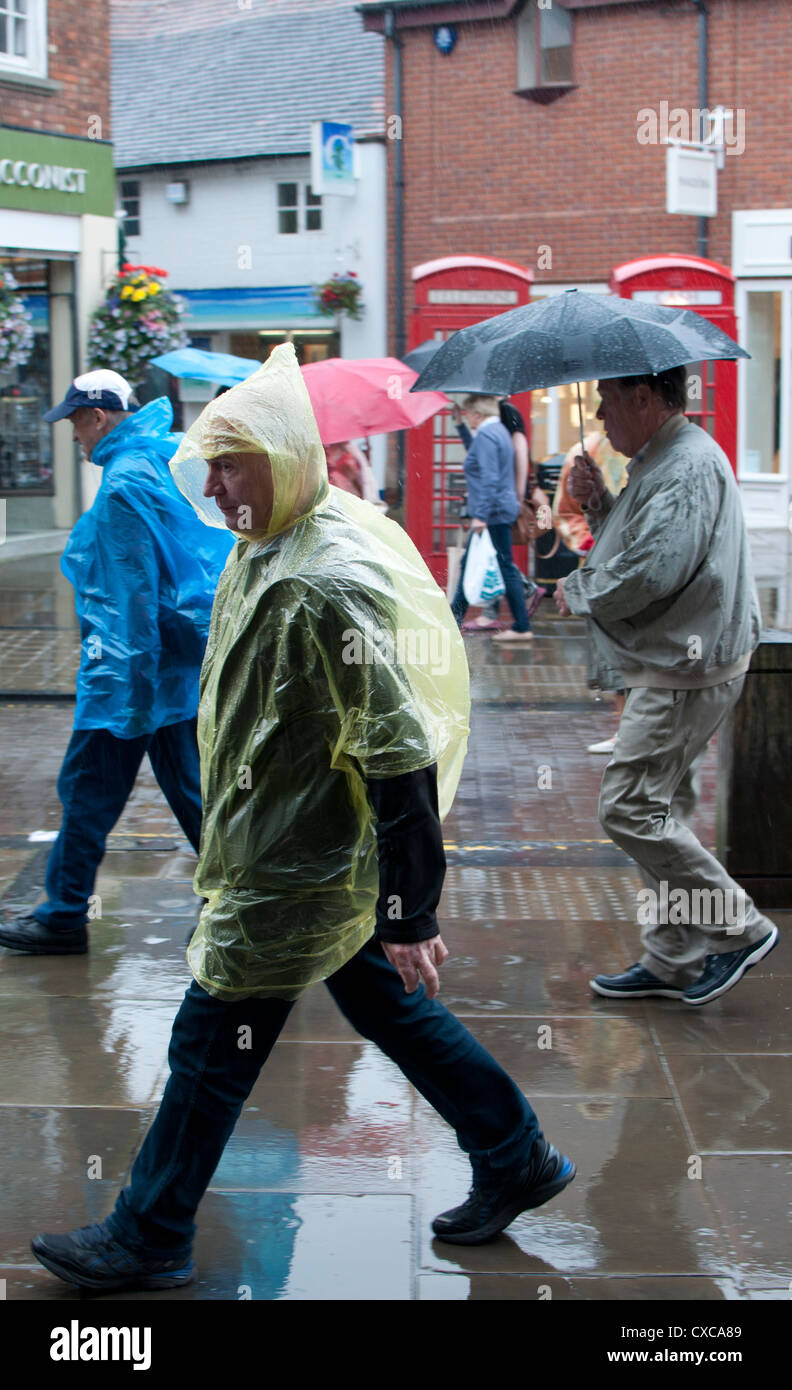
x=54 y=173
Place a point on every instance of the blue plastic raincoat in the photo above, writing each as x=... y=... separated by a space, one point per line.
x=144 y=569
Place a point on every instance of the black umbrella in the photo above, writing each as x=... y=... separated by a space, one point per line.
x=569 y=337
x=422 y=355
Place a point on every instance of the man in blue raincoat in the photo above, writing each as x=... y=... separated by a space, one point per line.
x=144 y=569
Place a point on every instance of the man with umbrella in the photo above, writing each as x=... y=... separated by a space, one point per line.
x=673 y=616
x=669 y=597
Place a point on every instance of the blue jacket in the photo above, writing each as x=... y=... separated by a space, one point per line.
x=489 y=473
x=144 y=569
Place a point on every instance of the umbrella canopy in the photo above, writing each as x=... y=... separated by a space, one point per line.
x=569 y=337
x=356 y=397
x=207 y=366
x=422 y=355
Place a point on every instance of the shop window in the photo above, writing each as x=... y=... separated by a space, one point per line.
x=22 y=31
x=763 y=373
x=288 y=206
x=25 y=394
x=130 y=201
x=544 y=52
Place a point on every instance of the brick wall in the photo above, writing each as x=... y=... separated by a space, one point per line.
x=490 y=173
x=78 y=40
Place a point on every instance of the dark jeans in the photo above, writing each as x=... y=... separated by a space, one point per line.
x=501 y=539
x=94 y=785
x=211 y=1077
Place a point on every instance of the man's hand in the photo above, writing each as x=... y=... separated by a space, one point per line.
x=560 y=602
x=417 y=962
x=586 y=482
x=477 y=524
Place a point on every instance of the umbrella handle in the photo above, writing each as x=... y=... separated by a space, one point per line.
x=580 y=421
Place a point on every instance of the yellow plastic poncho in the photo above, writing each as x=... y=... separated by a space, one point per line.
x=332 y=656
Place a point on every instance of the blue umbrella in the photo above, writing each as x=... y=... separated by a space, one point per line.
x=207 y=366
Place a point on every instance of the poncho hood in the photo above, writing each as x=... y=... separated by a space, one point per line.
x=269 y=414
x=152 y=421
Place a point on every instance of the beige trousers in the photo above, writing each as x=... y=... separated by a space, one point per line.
x=689 y=907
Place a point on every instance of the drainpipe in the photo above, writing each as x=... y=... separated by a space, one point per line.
x=398 y=215
x=703 y=61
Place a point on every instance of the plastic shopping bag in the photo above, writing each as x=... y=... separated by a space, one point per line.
x=454 y=554
x=483 y=581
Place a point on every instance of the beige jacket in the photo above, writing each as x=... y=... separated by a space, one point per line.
x=668 y=588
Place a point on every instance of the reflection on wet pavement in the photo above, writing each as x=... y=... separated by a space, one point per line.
x=329 y=1184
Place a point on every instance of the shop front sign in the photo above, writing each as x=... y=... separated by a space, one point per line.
x=55 y=173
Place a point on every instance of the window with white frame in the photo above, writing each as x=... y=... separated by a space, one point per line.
x=23 y=28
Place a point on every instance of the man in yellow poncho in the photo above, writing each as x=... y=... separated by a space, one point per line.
x=332 y=728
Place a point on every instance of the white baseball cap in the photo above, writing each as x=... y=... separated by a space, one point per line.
x=105 y=389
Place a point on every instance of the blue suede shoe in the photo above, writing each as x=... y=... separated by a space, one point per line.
x=635 y=983
x=723 y=971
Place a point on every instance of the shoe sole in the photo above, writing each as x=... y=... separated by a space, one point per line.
x=636 y=993
x=40 y=950
x=759 y=954
x=494 y=1228
x=152 y=1282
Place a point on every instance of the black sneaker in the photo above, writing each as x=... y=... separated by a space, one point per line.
x=29 y=935
x=722 y=971
x=635 y=983
x=486 y=1213
x=92 y=1259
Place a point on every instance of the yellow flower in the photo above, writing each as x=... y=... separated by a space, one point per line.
x=126 y=291
x=154 y=288
x=139 y=294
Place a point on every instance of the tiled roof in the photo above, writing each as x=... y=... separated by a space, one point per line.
x=213 y=79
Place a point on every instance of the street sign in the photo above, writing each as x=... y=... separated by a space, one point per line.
x=691 y=181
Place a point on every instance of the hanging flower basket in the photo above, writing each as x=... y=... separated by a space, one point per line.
x=138 y=320
x=16 y=325
x=341 y=294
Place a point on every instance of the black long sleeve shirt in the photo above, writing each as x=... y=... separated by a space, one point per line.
x=411 y=857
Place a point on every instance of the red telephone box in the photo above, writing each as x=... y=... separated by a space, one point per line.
x=708 y=289
x=450 y=294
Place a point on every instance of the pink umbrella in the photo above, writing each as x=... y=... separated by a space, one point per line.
x=371 y=395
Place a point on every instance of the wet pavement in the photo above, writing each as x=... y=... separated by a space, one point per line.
x=329 y=1184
